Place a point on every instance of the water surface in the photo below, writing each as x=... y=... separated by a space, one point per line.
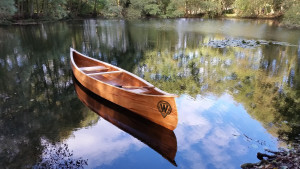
x=238 y=83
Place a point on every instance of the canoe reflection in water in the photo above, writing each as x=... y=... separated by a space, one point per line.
x=160 y=139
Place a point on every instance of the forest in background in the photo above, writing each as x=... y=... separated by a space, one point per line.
x=12 y=10
x=63 y=9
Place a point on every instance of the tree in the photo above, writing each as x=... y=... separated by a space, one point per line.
x=56 y=9
x=7 y=9
x=113 y=8
x=277 y=4
x=227 y=3
x=292 y=15
x=98 y=5
x=145 y=8
x=176 y=8
x=163 y=4
x=249 y=7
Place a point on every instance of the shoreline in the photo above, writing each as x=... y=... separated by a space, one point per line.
x=25 y=22
x=275 y=17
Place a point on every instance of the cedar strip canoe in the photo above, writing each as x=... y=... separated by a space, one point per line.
x=160 y=139
x=125 y=89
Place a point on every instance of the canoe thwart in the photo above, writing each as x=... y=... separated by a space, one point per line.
x=93 y=68
x=136 y=87
x=140 y=90
x=102 y=73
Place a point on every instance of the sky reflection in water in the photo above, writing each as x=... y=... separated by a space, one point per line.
x=212 y=133
x=231 y=102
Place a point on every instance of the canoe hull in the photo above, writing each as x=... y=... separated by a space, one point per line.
x=159 y=138
x=152 y=107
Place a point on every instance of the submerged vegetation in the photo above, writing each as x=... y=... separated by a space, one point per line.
x=63 y=9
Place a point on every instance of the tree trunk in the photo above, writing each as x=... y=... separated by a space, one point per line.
x=31 y=8
x=26 y=12
x=18 y=8
x=45 y=7
x=22 y=9
x=78 y=8
x=37 y=7
x=95 y=8
x=185 y=7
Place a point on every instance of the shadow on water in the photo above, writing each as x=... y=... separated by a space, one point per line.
x=158 y=138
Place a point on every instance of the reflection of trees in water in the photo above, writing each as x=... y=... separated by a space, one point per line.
x=36 y=94
x=38 y=101
x=59 y=156
x=265 y=79
x=288 y=109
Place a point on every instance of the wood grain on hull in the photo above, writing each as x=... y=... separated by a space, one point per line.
x=145 y=105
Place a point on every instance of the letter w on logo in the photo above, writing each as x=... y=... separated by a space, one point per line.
x=164 y=108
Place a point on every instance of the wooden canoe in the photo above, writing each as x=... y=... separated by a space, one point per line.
x=160 y=139
x=125 y=89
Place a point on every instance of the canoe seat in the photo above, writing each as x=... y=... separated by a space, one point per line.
x=93 y=68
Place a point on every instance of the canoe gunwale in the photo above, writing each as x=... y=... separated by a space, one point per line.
x=163 y=95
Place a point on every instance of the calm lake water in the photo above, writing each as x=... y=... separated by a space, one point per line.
x=238 y=83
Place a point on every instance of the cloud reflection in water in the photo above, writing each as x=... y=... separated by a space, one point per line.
x=211 y=133
x=102 y=144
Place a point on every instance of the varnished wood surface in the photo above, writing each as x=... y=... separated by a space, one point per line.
x=140 y=99
x=160 y=139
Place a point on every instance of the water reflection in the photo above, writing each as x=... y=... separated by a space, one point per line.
x=261 y=78
x=233 y=101
x=35 y=83
x=217 y=134
x=159 y=138
x=58 y=156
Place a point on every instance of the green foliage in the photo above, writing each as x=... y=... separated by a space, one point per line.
x=152 y=9
x=211 y=8
x=90 y=7
x=99 y=5
x=244 y=8
x=251 y=8
x=228 y=3
x=137 y=4
x=7 y=9
x=175 y=9
x=133 y=13
x=112 y=9
x=56 y=9
x=292 y=16
x=163 y=4
x=277 y=4
x=85 y=8
x=146 y=7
